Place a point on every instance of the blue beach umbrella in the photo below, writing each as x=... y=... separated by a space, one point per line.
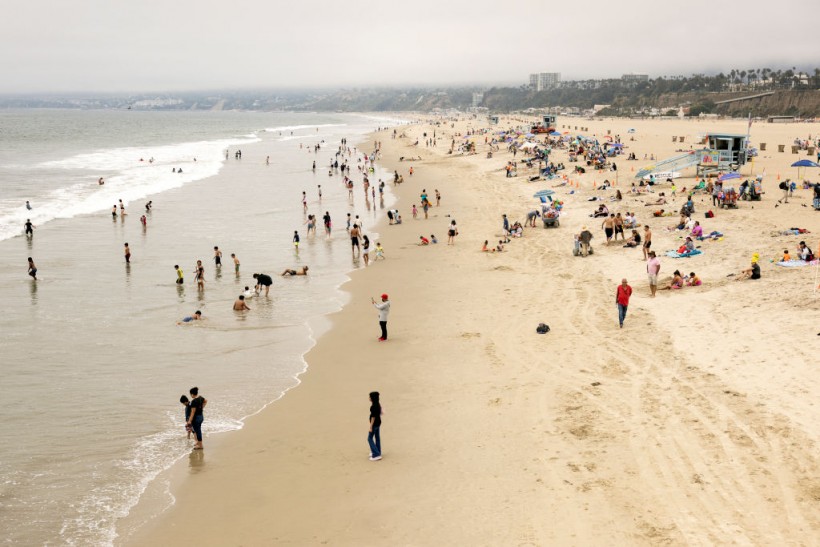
x=554 y=134
x=543 y=193
x=805 y=163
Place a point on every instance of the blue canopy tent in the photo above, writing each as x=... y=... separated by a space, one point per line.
x=729 y=176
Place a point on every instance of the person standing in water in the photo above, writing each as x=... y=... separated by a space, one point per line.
x=235 y=263
x=373 y=436
x=296 y=240
x=114 y=212
x=197 y=415
x=199 y=276
x=28 y=205
x=180 y=277
x=32 y=269
x=127 y=254
x=217 y=257
x=29 y=228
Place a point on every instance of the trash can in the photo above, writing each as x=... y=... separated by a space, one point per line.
x=608 y=131
x=762 y=146
x=674 y=138
x=781 y=147
x=811 y=150
x=795 y=149
x=680 y=139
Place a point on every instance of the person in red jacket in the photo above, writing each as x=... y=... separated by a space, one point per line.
x=622 y=295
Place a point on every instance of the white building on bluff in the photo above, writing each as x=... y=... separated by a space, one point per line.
x=545 y=80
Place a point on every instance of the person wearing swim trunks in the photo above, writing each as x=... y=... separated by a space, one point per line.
x=609 y=227
x=180 y=278
x=263 y=280
x=217 y=257
x=301 y=271
x=647 y=241
x=240 y=305
x=32 y=269
x=296 y=240
x=235 y=263
x=199 y=276
x=127 y=254
x=354 y=239
x=197 y=316
x=114 y=212
x=327 y=221
x=29 y=228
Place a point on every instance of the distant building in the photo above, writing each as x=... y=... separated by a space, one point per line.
x=545 y=80
x=635 y=78
x=478 y=97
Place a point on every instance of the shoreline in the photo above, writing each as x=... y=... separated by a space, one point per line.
x=490 y=435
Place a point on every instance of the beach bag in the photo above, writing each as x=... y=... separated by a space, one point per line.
x=542 y=328
x=710 y=214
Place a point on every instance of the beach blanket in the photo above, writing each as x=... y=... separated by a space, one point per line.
x=795 y=263
x=713 y=235
x=675 y=254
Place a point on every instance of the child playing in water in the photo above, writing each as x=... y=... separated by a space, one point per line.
x=184 y=400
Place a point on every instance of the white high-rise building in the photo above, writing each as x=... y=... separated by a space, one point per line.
x=545 y=80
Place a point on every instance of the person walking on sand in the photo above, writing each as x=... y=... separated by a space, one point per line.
x=384 y=311
x=197 y=416
x=622 y=295
x=452 y=233
x=609 y=228
x=647 y=241
x=127 y=254
x=373 y=437
x=653 y=268
x=32 y=269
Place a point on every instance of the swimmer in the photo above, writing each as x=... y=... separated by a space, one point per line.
x=148 y=206
x=249 y=293
x=240 y=305
x=197 y=316
x=101 y=181
x=301 y=271
x=28 y=205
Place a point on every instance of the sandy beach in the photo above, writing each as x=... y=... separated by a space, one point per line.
x=694 y=424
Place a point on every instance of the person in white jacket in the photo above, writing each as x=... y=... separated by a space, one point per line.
x=384 y=311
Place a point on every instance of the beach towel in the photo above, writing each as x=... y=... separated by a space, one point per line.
x=713 y=235
x=675 y=254
x=795 y=263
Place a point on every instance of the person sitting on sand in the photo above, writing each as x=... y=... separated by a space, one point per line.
x=602 y=211
x=197 y=316
x=697 y=231
x=676 y=283
x=659 y=213
x=805 y=253
x=687 y=247
x=484 y=248
x=635 y=240
x=500 y=247
x=693 y=280
x=301 y=271
x=660 y=201
x=433 y=239
x=423 y=241
x=630 y=221
x=752 y=272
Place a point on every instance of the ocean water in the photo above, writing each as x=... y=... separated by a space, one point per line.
x=91 y=358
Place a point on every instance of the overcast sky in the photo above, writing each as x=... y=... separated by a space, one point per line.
x=170 y=45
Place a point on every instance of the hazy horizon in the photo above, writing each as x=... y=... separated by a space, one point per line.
x=91 y=46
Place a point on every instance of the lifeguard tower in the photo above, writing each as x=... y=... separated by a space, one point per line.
x=723 y=152
x=493 y=120
x=549 y=121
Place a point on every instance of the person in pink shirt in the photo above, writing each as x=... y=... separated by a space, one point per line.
x=653 y=268
x=622 y=294
x=697 y=230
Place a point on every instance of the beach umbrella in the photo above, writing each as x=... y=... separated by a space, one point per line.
x=529 y=135
x=729 y=176
x=616 y=145
x=543 y=193
x=805 y=163
x=631 y=131
x=554 y=134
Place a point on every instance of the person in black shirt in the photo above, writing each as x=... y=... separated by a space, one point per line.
x=263 y=280
x=184 y=400
x=373 y=438
x=196 y=416
x=751 y=273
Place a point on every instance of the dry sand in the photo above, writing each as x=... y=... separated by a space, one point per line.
x=695 y=424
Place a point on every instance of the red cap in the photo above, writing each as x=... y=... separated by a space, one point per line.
x=384 y=297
